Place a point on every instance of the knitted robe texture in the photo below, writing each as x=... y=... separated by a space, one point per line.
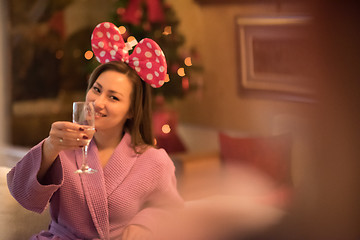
x=131 y=189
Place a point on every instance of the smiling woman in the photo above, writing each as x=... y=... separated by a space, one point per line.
x=112 y=89
x=134 y=188
x=128 y=87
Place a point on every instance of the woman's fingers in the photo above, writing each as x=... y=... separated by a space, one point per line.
x=63 y=125
x=68 y=135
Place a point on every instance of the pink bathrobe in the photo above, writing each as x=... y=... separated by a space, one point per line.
x=130 y=189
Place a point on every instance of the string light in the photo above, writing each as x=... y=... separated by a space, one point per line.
x=88 y=55
x=167 y=30
x=167 y=78
x=181 y=72
x=166 y=128
x=122 y=29
x=188 y=62
x=131 y=38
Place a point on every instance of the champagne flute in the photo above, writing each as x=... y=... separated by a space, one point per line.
x=84 y=114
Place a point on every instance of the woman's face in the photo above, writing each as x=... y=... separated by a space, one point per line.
x=111 y=93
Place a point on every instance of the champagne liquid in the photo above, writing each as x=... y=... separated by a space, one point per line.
x=89 y=130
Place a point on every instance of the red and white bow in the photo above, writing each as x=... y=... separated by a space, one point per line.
x=147 y=59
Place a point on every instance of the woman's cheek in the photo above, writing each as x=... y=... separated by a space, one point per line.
x=89 y=97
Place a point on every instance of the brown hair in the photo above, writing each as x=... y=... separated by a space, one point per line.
x=140 y=125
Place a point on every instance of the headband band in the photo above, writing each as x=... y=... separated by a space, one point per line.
x=147 y=59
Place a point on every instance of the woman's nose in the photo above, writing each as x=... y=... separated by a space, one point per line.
x=99 y=102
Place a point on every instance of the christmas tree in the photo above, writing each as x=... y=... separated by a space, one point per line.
x=157 y=20
x=40 y=37
x=51 y=65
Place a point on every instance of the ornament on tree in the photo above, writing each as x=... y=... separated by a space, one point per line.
x=134 y=12
x=120 y=11
x=165 y=122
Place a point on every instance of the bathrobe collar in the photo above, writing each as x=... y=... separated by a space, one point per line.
x=98 y=186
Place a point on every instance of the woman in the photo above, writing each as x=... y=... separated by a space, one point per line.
x=135 y=185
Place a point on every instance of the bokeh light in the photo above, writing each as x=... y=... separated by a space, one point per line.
x=167 y=30
x=181 y=72
x=122 y=29
x=88 y=55
x=131 y=38
x=187 y=61
x=59 y=54
x=166 y=128
x=185 y=83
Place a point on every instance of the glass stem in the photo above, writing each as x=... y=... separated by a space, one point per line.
x=85 y=153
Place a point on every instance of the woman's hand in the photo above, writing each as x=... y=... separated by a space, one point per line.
x=67 y=136
x=136 y=232
x=62 y=136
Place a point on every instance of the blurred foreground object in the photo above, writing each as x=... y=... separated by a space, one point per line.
x=239 y=201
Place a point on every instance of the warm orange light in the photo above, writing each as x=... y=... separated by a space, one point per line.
x=155 y=141
x=181 y=72
x=122 y=29
x=131 y=38
x=187 y=61
x=167 y=30
x=88 y=55
x=167 y=78
x=166 y=128
x=120 y=11
x=185 y=83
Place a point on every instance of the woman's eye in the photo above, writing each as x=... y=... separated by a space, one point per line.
x=114 y=98
x=96 y=89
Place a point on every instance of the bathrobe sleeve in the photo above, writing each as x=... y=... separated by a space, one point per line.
x=164 y=198
x=24 y=185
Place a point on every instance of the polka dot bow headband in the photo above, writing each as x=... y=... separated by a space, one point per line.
x=147 y=59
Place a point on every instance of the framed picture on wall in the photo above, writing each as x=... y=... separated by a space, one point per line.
x=274 y=58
